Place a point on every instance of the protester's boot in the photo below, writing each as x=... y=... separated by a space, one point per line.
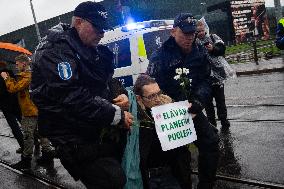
x=46 y=159
x=24 y=164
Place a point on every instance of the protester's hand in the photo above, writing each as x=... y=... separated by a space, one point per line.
x=209 y=47
x=122 y=101
x=194 y=108
x=4 y=75
x=128 y=120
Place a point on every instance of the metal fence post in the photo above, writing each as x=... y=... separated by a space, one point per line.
x=255 y=51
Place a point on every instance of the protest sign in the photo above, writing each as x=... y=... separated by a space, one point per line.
x=174 y=125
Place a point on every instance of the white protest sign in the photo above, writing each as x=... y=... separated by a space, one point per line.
x=174 y=125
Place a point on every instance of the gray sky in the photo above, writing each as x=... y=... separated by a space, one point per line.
x=16 y=14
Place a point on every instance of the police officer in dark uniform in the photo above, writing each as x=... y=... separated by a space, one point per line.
x=70 y=86
x=181 y=51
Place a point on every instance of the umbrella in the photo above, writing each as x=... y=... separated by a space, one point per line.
x=8 y=51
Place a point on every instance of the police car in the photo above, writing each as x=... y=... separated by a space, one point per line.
x=133 y=45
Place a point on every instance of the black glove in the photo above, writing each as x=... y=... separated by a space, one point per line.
x=195 y=108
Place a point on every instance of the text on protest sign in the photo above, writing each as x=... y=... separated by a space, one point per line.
x=174 y=125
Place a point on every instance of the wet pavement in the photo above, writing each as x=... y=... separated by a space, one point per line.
x=253 y=147
x=10 y=179
x=264 y=66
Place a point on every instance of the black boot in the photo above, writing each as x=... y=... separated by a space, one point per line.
x=46 y=159
x=24 y=164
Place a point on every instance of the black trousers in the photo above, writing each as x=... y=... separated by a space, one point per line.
x=96 y=165
x=208 y=146
x=219 y=96
x=13 y=124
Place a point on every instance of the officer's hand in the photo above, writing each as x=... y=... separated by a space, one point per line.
x=4 y=75
x=128 y=120
x=192 y=115
x=195 y=107
x=122 y=101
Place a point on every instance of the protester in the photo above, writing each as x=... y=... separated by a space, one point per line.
x=70 y=86
x=180 y=51
x=10 y=107
x=169 y=169
x=28 y=109
x=280 y=34
x=216 y=49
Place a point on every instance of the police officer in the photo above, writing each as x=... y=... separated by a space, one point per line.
x=216 y=48
x=180 y=51
x=280 y=34
x=70 y=86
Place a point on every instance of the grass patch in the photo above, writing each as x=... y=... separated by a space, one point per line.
x=263 y=46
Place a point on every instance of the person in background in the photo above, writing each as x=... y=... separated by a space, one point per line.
x=10 y=107
x=280 y=34
x=216 y=47
x=71 y=88
x=28 y=109
x=181 y=51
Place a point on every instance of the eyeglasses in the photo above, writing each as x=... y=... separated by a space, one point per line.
x=153 y=96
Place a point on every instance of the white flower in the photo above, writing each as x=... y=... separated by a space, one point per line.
x=185 y=71
x=182 y=84
x=190 y=80
x=177 y=77
x=179 y=71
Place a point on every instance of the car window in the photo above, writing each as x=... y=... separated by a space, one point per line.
x=154 y=40
x=121 y=51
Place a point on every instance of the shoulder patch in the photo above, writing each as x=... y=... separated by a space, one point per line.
x=64 y=70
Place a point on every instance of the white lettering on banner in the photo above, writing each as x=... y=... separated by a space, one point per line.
x=174 y=125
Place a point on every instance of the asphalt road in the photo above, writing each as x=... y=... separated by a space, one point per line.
x=253 y=148
x=15 y=180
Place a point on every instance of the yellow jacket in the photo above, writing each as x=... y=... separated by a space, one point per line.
x=21 y=86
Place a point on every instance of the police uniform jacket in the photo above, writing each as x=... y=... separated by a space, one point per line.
x=69 y=87
x=165 y=61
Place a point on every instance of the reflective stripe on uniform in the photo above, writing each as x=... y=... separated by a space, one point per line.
x=281 y=21
x=141 y=47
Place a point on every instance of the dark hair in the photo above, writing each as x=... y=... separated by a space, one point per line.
x=143 y=79
x=22 y=58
